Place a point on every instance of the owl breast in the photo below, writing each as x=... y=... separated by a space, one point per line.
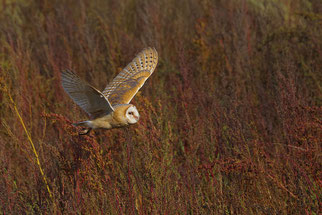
x=103 y=122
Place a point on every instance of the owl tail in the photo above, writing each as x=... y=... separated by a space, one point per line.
x=83 y=123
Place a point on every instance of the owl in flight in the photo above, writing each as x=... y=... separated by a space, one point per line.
x=111 y=108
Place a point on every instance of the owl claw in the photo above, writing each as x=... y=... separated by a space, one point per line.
x=85 y=131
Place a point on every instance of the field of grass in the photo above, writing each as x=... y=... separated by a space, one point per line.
x=231 y=120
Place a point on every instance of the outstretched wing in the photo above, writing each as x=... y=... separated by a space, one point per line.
x=87 y=97
x=126 y=84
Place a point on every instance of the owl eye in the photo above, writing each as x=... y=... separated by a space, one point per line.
x=131 y=113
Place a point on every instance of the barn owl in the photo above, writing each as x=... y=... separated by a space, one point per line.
x=111 y=108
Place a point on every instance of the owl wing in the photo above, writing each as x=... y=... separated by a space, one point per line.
x=128 y=82
x=84 y=95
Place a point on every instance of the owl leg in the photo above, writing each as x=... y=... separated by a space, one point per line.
x=85 y=131
x=84 y=124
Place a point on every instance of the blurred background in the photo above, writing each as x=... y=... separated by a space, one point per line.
x=230 y=120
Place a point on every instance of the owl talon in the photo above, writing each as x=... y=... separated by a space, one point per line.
x=85 y=131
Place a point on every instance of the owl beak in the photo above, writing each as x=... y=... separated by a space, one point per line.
x=137 y=117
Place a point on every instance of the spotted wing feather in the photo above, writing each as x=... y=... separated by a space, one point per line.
x=128 y=82
x=84 y=95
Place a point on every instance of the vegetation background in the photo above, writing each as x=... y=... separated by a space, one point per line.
x=231 y=118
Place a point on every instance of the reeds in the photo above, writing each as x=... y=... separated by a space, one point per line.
x=5 y=90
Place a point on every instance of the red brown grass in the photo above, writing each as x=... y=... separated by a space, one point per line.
x=230 y=120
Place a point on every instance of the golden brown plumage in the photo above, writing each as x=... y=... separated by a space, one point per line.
x=111 y=108
x=126 y=84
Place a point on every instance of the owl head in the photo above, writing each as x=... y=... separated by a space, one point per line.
x=132 y=115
